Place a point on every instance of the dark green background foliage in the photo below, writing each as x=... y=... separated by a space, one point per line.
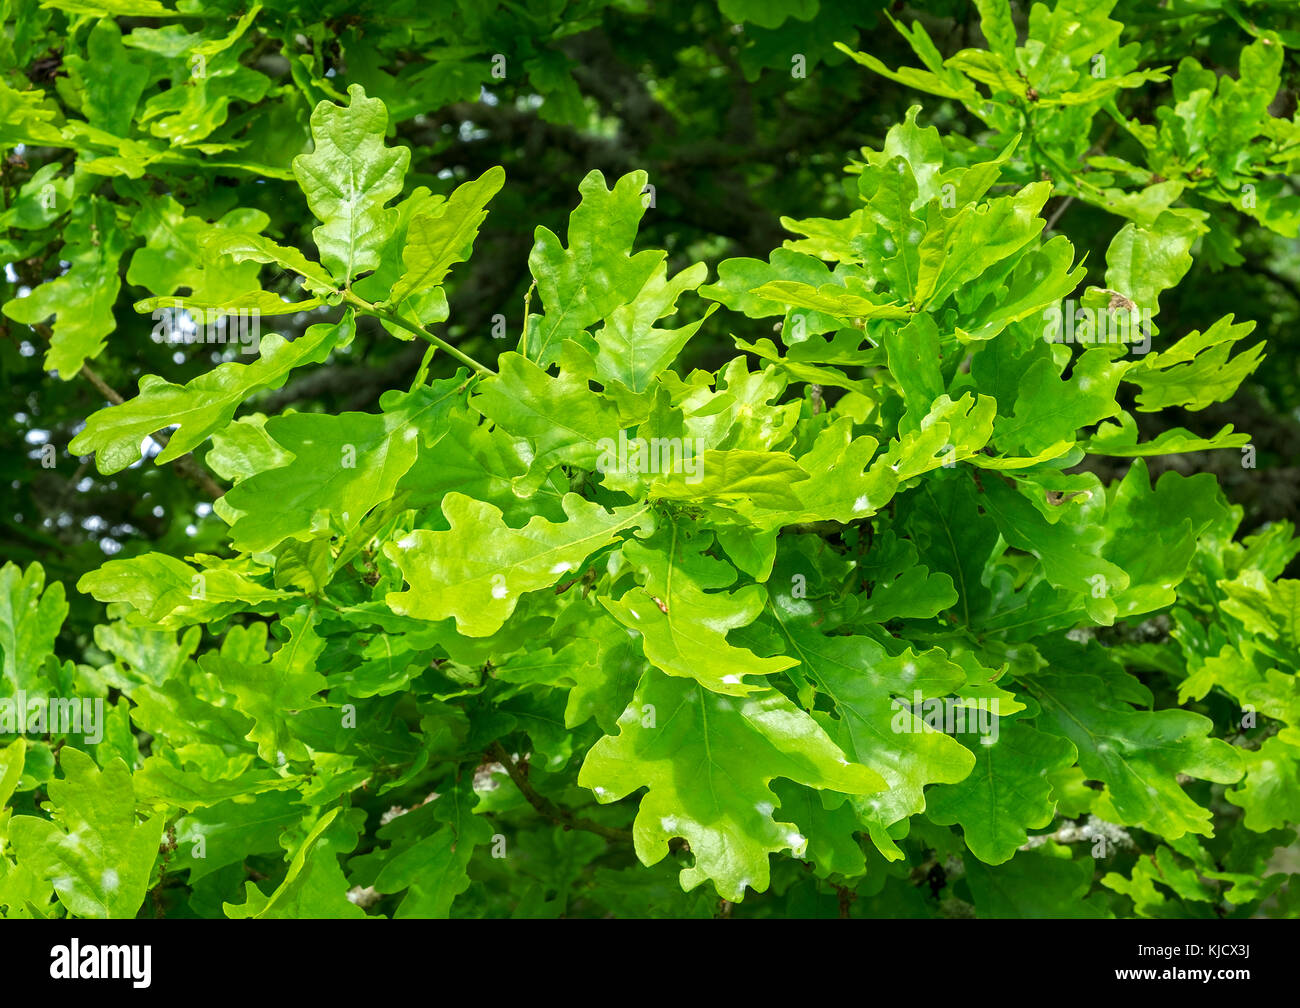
x=379 y=629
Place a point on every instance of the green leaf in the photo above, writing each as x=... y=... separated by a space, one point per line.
x=832 y=847
x=903 y=589
x=96 y=854
x=31 y=616
x=246 y=247
x=209 y=839
x=1143 y=261
x=110 y=81
x=949 y=433
x=348 y=179
x=1196 y=371
x=862 y=680
x=1153 y=534
x=314 y=885
x=338 y=467
x=739 y=281
x=767 y=13
x=735 y=478
x=1008 y=791
x=11 y=771
x=1137 y=754
x=998 y=28
x=112 y=8
x=170 y=593
x=441 y=236
x=1069 y=548
x=708 y=761
x=841 y=485
x=1034 y=886
x=476 y=459
x=682 y=612
x=1121 y=440
x=272 y=689
x=565 y=423
x=174 y=255
x=584 y=283
x=28 y=117
x=81 y=300
x=186 y=115
x=630 y=349
x=204 y=405
x=433 y=866
x=943 y=82
x=831 y=299
x=1270 y=791
x=478 y=569
x=1049 y=410
x=976 y=238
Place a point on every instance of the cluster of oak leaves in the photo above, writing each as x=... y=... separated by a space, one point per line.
x=706 y=668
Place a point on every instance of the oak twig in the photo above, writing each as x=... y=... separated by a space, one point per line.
x=547 y=807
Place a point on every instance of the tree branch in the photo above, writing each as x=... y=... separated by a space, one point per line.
x=187 y=465
x=547 y=807
x=382 y=313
